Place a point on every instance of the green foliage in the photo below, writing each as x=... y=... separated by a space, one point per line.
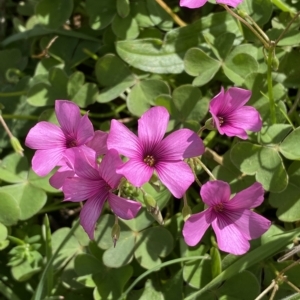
x=115 y=59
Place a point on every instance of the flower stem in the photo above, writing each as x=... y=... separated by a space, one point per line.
x=193 y=169
x=201 y=130
x=270 y=87
x=12 y=94
x=175 y=18
x=20 y=117
x=6 y=127
x=264 y=42
x=205 y=168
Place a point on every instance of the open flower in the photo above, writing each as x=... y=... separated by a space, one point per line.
x=232 y=220
x=149 y=152
x=231 y=117
x=199 y=3
x=96 y=184
x=51 y=141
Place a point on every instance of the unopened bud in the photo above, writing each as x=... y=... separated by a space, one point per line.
x=186 y=212
x=115 y=233
x=16 y=145
x=242 y=13
x=153 y=208
x=275 y=63
x=209 y=124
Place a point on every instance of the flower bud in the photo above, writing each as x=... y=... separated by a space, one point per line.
x=16 y=145
x=209 y=124
x=186 y=212
x=242 y=13
x=275 y=63
x=115 y=233
x=153 y=208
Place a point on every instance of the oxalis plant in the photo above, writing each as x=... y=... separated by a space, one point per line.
x=150 y=149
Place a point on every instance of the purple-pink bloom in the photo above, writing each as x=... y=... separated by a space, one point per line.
x=96 y=183
x=51 y=141
x=150 y=151
x=232 y=220
x=231 y=117
x=199 y=3
x=93 y=149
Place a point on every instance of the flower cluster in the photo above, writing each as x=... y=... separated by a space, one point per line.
x=90 y=167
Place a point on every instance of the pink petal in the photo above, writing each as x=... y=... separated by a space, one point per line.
x=82 y=165
x=45 y=135
x=123 y=140
x=90 y=213
x=214 y=192
x=68 y=116
x=152 y=127
x=225 y=103
x=108 y=167
x=123 y=208
x=85 y=131
x=44 y=161
x=252 y=196
x=136 y=172
x=176 y=176
x=98 y=142
x=78 y=189
x=58 y=178
x=251 y=224
x=232 y=131
x=195 y=227
x=229 y=238
x=246 y=117
x=233 y=3
x=192 y=3
x=180 y=144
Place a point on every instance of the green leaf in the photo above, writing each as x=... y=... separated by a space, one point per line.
x=122 y=254
x=123 y=8
x=288 y=201
x=125 y=28
x=9 y=209
x=157 y=56
x=87 y=95
x=198 y=63
x=3 y=232
x=29 y=198
x=76 y=81
x=216 y=266
x=239 y=66
x=54 y=13
x=151 y=244
x=289 y=148
x=244 y=262
x=112 y=71
x=14 y=168
x=185 y=99
x=144 y=93
x=273 y=134
x=263 y=162
x=101 y=13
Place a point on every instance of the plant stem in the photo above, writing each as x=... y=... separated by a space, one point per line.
x=12 y=94
x=6 y=127
x=265 y=43
x=205 y=168
x=20 y=117
x=176 y=19
x=270 y=87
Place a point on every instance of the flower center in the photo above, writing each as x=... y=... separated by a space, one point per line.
x=71 y=144
x=149 y=160
x=221 y=121
x=219 y=207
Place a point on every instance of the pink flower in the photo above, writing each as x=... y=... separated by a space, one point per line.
x=93 y=149
x=232 y=220
x=96 y=184
x=51 y=141
x=199 y=3
x=231 y=117
x=149 y=152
